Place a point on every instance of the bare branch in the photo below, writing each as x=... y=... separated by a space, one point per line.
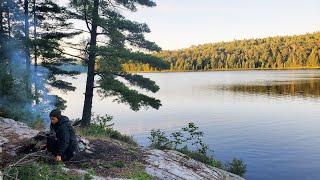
x=81 y=30
x=86 y=15
x=69 y=54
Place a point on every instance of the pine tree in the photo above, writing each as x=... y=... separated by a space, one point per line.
x=52 y=29
x=106 y=59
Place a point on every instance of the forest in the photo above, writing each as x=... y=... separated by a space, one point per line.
x=281 y=52
x=39 y=42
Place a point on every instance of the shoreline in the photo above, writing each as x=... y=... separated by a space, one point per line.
x=219 y=70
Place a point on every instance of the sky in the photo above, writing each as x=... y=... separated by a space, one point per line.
x=177 y=24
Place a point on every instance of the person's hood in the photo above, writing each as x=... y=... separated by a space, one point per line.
x=62 y=120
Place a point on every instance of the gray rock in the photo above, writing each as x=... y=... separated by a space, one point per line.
x=13 y=134
x=175 y=165
x=3 y=141
x=83 y=143
x=15 y=130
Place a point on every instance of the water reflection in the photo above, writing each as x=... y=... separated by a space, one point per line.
x=307 y=88
x=270 y=119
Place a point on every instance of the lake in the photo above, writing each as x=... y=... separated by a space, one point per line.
x=269 y=119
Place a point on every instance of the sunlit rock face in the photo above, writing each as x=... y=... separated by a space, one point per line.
x=175 y=165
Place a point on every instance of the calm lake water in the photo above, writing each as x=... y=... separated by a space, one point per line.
x=270 y=119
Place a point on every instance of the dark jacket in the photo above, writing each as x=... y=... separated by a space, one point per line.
x=66 y=141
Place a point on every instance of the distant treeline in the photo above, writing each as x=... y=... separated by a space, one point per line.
x=281 y=52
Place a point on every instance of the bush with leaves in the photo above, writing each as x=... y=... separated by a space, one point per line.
x=103 y=121
x=236 y=166
x=159 y=140
x=189 y=141
x=179 y=140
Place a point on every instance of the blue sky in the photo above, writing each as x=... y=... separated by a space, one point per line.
x=181 y=23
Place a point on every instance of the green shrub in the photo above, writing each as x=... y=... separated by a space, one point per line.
x=159 y=140
x=192 y=136
x=196 y=155
x=103 y=128
x=236 y=166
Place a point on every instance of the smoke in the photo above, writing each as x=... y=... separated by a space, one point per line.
x=29 y=99
x=44 y=102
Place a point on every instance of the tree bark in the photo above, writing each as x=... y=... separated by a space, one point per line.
x=26 y=31
x=87 y=107
x=35 y=32
x=8 y=18
x=1 y=19
x=27 y=46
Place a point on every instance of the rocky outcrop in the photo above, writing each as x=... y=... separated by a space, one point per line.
x=13 y=135
x=175 y=165
x=160 y=164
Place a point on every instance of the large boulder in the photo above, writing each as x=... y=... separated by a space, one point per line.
x=13 y=135
x=170 y=164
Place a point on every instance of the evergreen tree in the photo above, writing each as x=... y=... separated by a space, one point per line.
x=106 y=58
x=18 y=45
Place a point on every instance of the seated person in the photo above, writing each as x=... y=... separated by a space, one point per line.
x=64 y=143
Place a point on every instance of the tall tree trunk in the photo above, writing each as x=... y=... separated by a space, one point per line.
x=1 y=18
x=2 y=59
x=27 y=44
x=87 y=107
x=26 y=31
x=35 y=32
x=8 y=18
x=35 y=53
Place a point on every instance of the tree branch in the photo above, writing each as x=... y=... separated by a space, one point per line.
x=81 y=30
x=69 y=54
x=86 y=15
